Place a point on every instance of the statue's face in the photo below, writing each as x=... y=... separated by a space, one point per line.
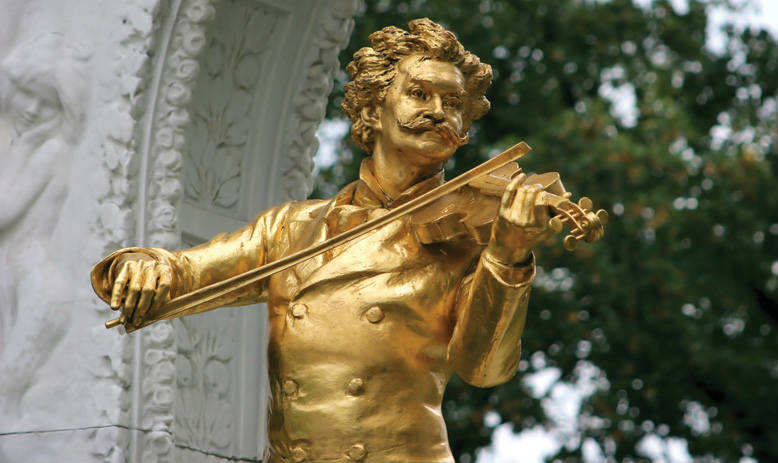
x=32 y=104
x=422 y=117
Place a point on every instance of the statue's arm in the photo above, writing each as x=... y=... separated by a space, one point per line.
x=183 y=271
x=491 y=309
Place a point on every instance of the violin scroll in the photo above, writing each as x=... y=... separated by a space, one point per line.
x=584 y=224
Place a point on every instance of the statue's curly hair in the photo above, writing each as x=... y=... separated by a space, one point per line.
x=373 y=70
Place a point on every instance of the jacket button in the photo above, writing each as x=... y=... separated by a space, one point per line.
x=298 y=454
x=356 y=452
x=356 y=386
x=298 y=310
x=289 y=387
x=374 y=314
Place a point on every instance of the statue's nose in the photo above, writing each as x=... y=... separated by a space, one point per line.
x=437 y=112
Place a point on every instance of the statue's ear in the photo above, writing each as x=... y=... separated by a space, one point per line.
x=371 y=117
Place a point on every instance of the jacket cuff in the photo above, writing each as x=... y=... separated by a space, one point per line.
x=519 y=275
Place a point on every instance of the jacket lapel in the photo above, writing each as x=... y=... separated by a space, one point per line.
x=388 y=249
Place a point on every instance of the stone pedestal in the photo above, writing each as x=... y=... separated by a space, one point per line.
x=153 y=123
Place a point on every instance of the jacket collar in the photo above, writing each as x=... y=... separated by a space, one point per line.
x=368 y=192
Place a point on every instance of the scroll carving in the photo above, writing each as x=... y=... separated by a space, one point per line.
x=204 y=394
x=164 y=143
x=114 y=225
x=150 y=160
x=179 y=73
x=221 y=117
x=310 y=101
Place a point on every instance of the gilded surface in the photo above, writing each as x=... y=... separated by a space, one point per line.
x=364 y=338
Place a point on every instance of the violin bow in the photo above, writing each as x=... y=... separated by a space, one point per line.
x=183 y=304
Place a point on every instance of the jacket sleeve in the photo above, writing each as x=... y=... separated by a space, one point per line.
x=224 y=256
x=491 y=309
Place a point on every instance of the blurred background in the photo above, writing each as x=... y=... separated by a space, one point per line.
x=659 y=342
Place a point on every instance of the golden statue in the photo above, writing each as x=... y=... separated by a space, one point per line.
x=366 y=332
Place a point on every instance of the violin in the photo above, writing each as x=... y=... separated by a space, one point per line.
x=469 y=212
x=463 y=207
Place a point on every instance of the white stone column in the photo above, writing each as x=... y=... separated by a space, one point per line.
x=155 y=123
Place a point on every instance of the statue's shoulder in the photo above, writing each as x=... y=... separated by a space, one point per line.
x=311 y=209
x=302 y=210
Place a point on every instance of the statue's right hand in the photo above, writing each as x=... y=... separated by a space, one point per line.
x=142 y=283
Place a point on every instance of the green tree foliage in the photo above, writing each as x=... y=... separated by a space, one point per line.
x=677 y=304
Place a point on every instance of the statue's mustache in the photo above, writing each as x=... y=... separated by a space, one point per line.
x=423 y=124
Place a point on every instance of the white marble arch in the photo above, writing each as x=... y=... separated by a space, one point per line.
x=197 y=114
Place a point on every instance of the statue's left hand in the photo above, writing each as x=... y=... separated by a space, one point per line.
x=521 y=223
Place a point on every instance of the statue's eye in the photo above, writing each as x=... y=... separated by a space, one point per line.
x=418 y=93
x=453 y=102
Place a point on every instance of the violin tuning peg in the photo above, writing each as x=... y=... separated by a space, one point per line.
x=570 y=242
x=555 y=224
x=585 y=203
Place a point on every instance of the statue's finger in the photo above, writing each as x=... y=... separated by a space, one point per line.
x=146 y=294
x=542 y=215
x=528 y=205
x=509 y=196
x=119 y=284
x=513 y=212
x=163 y=286
x=541 y=209
x=133 y=289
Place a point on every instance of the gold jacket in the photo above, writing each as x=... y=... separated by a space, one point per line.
x=364 y=338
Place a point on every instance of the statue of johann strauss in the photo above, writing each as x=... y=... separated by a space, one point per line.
x=364 y=338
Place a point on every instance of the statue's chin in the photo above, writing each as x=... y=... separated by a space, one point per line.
x=431 y=146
